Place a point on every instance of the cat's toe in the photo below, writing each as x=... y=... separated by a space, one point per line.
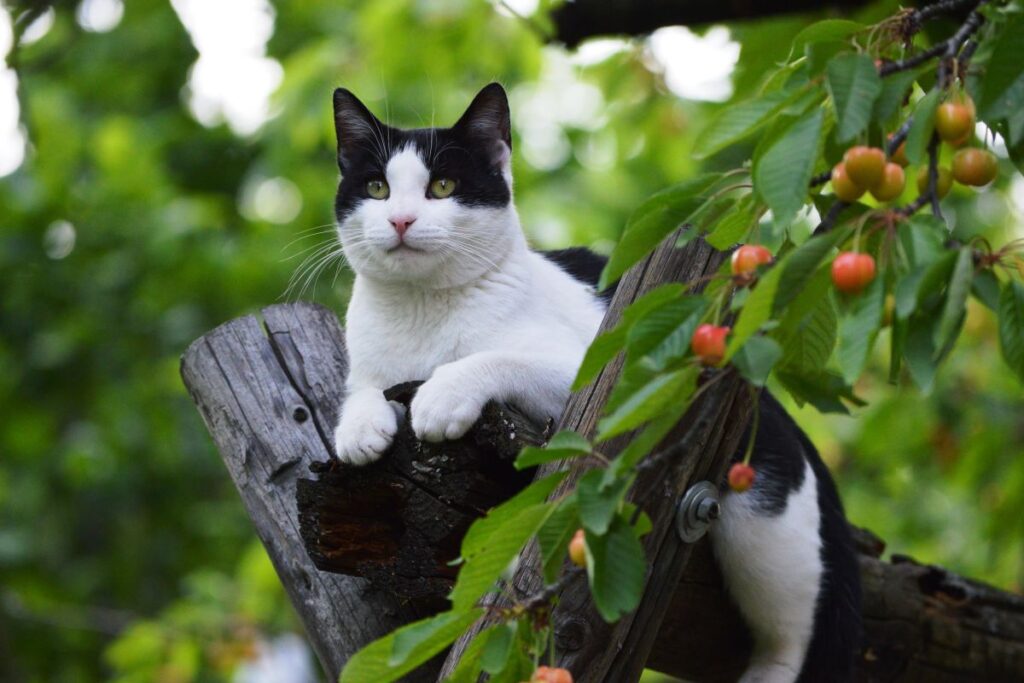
x=364 y=438
x=439 y=416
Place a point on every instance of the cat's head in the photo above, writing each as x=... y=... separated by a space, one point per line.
x=431 y=206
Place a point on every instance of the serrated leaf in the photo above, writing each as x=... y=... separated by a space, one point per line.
x=480 y=533
x=1003 y=85
x=650 y=436
x=854 y=84
x=1011 y=326
x=783 y=171
x=496 y=651
x=553 y=538
x=676 y=343
x=827 y=31
x=564 y=444
x=799 y=266
x=736 y=122
x=735 y=225
x=985 y=289
x=468 y=669
x=894 y=91
x=807 y=331
x=480 y=571
x=916 y=146
x=922 y=239
x=858 y=328
x=653 y=221
x=396 y=654
x=756 y=312
x=648 y=402
x=822 y=389
x=599 y=499
x=650 y=331
x=959 y=289
x=616 y=568
x=919 y=349
x=757 y=358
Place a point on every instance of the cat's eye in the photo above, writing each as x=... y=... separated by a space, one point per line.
x=441 y=188
x=378 y=189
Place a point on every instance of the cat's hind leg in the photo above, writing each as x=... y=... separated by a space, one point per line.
x=768 y=546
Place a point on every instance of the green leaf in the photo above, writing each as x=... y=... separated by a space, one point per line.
x=616 y=568
x=564 y=444
x=653 y=221
x=734 y=226
x=650 y=331
x=807 y=331
x=985 y=288
x=894 y=91
x=956 y=298
x=757 y=358
x=922 y=128
x=735 y=122
x=822 y=389
x=468 y=669
x=858 y=327
x=799 y=265
x=479 y=535
x=599 y=499
x=604 y=348
x=1011 y=326
x=396 y=654
x=922 y=239
x=553 y=538
x=676 y=343
x=648 y=402
x=494 y=657
x=827 y=31
x=919 y=349
x=1002 y=87
x=783 y=171
x=854 y=84
x=482 y=569
x=756 y=312
x=651 y=435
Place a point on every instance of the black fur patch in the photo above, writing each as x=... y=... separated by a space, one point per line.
x=582 y=264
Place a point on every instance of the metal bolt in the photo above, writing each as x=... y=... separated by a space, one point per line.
x=696 y=510
x=300 y=414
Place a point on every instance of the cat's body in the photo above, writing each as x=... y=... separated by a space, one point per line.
x=448 y=291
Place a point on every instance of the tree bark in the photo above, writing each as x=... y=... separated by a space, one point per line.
x=581 y=19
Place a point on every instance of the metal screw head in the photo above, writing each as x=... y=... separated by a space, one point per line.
x=697 y=509
x=300 y=414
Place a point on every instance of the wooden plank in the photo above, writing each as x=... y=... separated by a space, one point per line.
x=260 y=421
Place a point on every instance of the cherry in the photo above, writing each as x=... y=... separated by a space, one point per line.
x=852 y=272
x=892 y=184
x=741 y=477
x=900 y=155
x=747 y=258
x=708 y=343
x=973 y=166
x=843 y=186
x=942 y=185
x=954 y=121
x=550 y=674
x=865 y=165
x=577 y=549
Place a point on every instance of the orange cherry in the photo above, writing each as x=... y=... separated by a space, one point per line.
x=893 y=182
x=741 y=477
x=843 y=186
x=708 y=343
x=865 y=165
x=973 y=166
x=747 y=258
x=577 y=549
x=852 y=272
x=943 y=184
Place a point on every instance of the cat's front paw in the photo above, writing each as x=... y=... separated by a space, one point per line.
x=366 y=429
x=445 y=406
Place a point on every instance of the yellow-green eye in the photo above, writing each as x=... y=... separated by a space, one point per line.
x=441 y=188
x=378 y=189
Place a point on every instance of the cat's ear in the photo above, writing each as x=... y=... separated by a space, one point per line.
x=356 y=128
x=487 y=120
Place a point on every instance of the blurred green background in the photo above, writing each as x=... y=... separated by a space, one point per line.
x=167 y=166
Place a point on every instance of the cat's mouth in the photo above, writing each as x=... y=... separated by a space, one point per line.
x=403 y=248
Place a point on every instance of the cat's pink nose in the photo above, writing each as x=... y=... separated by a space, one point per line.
x=401 y=224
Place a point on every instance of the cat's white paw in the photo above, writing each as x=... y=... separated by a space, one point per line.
x=446 y=405
x=366 y=429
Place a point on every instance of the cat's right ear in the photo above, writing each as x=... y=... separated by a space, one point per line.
x=355 y=127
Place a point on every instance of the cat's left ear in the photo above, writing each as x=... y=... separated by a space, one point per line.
x=487 y=120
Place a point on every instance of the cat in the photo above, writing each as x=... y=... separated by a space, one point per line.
x=447 y=290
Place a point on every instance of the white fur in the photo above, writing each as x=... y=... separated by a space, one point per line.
x=464 y=305
x=772 y=567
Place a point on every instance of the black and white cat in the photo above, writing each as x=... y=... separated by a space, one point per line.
x=447 y=290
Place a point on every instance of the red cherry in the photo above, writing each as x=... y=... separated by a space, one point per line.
x=852 y=272
x=550 y=674
x=747 y=258
x=741 y=477
x=577 y=549
x=708 y=343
